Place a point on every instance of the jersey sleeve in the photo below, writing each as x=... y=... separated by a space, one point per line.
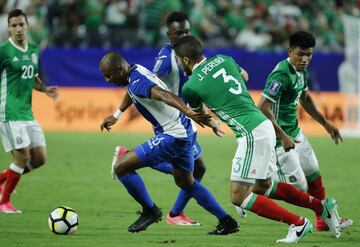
x=141 y=87
x=275 y=86
x=162 y=65
x=191 y=97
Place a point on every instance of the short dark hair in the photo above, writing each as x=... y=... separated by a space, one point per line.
x=189 y=46
x=302 y=39
x=176 y=16
x=112 y=59
x=16 y=13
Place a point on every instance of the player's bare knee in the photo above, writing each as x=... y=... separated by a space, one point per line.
x=22 y=160
x=184 y=180
x=239 y=192
x=261 y=186
x=184 y=184
x=119 y=169
x=238 y=198
x=39 y=161
x=199 y=169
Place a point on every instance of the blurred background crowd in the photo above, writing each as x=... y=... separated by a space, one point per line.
x=249 y=24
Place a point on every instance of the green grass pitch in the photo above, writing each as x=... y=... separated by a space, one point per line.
x=77 y=174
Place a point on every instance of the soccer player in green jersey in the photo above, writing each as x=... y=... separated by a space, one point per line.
x=285 y=88
x=218 y=83
x=20 y=133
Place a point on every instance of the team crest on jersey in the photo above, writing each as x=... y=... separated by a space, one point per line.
x=19 y=140
x=274 y=87
x=34 y=58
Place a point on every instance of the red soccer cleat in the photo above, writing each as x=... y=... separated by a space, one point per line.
x=121 y=151
x=8 y=208
x=181 y=220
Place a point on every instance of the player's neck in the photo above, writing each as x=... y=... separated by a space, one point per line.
x=198 y=62
x=20 y=43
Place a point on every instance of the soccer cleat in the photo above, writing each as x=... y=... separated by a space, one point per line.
x=181 y=220
x=331 y=217
x=321 y=225
x=8 y=208
x=226 y=226
x=297 y=232
x=119 y=152
x=147 y=217
x=242 y=212
x=345 y=223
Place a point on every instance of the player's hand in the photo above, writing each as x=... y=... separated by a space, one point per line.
x=288 y=142
x=218 y=132
x=334 y=132
x=52 y=92
x=108 y=121
x=198 y=117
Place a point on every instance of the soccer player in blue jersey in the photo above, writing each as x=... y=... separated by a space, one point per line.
x=168 y=70
x=173 y=142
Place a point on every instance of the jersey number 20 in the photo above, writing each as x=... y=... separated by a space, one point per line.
x=27 y=72
x=228 y=78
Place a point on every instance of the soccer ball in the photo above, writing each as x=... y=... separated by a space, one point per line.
x=63 y=220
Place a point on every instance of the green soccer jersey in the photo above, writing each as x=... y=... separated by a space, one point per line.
x=284 y=87
x=217 y=83
x=18 y=68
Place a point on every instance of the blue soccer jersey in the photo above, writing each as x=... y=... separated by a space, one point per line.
x=164 y=118
x=167 y=67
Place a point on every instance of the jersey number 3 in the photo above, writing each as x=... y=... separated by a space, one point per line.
x=27 y=72
x=228 y=78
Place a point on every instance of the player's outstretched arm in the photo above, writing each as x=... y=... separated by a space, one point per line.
x=287 y=142
x=111 y=120
x=212 y=123
x=173 y=100
x=51 y=91
x=309 y=106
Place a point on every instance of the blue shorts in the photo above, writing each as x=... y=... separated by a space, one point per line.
x=165 y=148
x=197 y=150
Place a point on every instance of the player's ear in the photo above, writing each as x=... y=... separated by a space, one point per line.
x=186 y=60
x=289 y=51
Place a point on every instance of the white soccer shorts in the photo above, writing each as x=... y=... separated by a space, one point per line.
x=21 y=134
x=255 y=156
x=297 y=164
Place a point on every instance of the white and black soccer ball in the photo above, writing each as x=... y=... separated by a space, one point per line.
x=63 y=220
